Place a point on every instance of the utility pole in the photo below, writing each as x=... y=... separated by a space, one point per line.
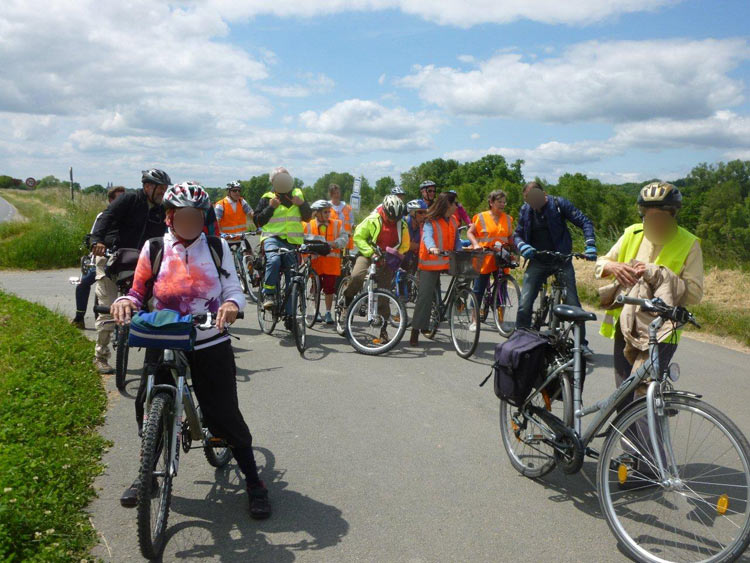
x=71 y=183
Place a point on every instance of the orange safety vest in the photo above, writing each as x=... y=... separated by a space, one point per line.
x=346 y=219
x=331 y=264
x=444 y=233
x=233 y=221
x=489 y=232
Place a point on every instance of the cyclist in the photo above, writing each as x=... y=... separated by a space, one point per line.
x=657 y=241
x=399 y=192
x=343 y=211
x=439 y=234
x=280 y=212
x=417 y=211
x=188 y=282
x=428 y=189
x=490 y=229
x=543 y=225
x=383 y=229
x=327 y=267
x=128 y=222
x=462 y=217
x=233 y=212
x=83 y=289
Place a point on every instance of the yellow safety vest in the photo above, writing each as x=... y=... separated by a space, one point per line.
x=672 y=255
x=286 y=222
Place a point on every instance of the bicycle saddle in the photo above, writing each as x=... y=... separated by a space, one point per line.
x=573 y=314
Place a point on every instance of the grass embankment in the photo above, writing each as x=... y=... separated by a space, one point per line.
x=51 y=401
x=51 y=231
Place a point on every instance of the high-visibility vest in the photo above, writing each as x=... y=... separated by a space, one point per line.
x=331 y=264
x=444 y=234
x=233 y=221
x=489 y=232
x=286 y=222
x=346 y=219
x=672 y=255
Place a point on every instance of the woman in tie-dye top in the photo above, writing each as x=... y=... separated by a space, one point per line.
x=188 y=282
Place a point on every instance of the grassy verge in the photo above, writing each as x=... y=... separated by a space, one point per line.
x=51 y=401
x=51 y=232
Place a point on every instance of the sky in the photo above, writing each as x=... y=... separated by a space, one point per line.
x=216 y=90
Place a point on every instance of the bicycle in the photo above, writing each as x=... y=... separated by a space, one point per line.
x=88 y=265
x=405 y=288
x=244 y=262
x=292 y=293
x=552 y=292
x=459 y=304
x=676 y=498
x=362 y=322
x=502 y=295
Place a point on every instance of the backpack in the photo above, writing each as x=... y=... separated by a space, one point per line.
x=156 y=252
x=520 y=365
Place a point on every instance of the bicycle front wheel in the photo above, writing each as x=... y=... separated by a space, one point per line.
x=506 y=298
x=155 y=478
x=701 y=511
x=464 y=322
x=525 y=440
x=121 y=356
x=298 y=306
x=376 y=335
x=312 y=296
x=248 y=275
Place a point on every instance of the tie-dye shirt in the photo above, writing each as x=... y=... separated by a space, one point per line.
x=188 y=282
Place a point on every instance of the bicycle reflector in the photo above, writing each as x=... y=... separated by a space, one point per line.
x=722 y=505
x=622 y=473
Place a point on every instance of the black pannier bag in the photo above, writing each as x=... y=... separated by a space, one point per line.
x=121 y=265
x=520 y=365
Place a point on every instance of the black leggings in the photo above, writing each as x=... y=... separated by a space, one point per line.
x=213 y=374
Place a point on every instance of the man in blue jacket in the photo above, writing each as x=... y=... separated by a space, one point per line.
x=543 y=225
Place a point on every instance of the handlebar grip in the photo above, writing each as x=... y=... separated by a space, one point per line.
x=241 y=315
x=101 y=310
x=625 y=300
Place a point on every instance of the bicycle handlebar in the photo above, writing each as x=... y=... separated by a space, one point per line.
x=198 y=319
x=679 y=315
x=562 y=255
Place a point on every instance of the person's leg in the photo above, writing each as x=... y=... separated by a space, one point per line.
x=328 y=288
x=152 y=357
x=568 y=278
x=359 y=271
x=533 y=279
x=287 y=263
x=83 y=290
x=384 y=279
x=427 y=281
x=273 y=266
x=106 y=293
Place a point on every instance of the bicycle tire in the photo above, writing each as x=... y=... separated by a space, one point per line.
x=298 y=306
x=434 y=321
x=365 y=343
x=682 y=492
x=486 y=304
x=216 y=456
x=267 y=319
x=462 y=313
x=312 y=297
x=515 y=444
x=239 y=268
x=506 y=324
x=121 y=356
x=248 y=273
x=155 y=448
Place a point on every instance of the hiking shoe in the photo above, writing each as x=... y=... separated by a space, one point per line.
x=268 y=302
x=318 y=318
x=473 y=327
x=102 y=366
x=328 y=318
x=78 y=323
x=587 y=352
x=260 y=507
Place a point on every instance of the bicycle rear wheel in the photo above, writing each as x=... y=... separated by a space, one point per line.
x=239 y=267
x=249 y=275
x=312 y=296
x=378 y=335
x=525 y=440
x=407 y=294
x=121 y=356
x=298 y=306
x=339 y=306
x=155 y=479
x=702 y=511
x=462 y=317
x=506 y=298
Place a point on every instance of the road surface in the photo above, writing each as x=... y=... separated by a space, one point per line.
x=7 y=211
x=393 y=458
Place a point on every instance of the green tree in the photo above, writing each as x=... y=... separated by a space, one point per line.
x=384 y=186
x=94 y=189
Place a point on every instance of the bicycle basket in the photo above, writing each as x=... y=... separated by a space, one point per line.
x=465 y=264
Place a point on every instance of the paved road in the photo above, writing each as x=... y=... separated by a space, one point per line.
x=393 y=458
x=7 y=211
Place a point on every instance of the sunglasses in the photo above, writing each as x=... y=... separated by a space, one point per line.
x=236 y=190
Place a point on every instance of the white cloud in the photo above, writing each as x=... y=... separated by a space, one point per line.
x=311 y=84
x=475 y=136
x=381 y=79
x=609 y=81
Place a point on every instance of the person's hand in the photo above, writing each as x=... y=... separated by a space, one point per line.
x=527 y=251
x=639 y=267
x=98 y=249
x=274 y=202
x=227 y=314
x=296 y=200
x=434 y=250
x=624 y=273
x=590 y=252
x=122 y=310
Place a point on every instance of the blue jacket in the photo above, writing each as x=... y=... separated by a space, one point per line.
x=557 y=224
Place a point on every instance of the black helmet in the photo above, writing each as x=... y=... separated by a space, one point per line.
x=660 y=194
x=155 y=176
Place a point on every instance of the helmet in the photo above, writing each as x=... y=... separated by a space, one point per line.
x=235 y=184
x=416 y=205
x=398 y=190
x=281 y=180
x=155 y=176
x=186 y=194
x=393 y=207
x=660 y=194
x=427 y=184
x=320 y=204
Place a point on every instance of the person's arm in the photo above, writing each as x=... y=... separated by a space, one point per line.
x=247 y=209
x=123 y=307
x=363 y=235
x=305 y=211
x=463 y=216
x=263 y=212
x=577 y=217
x=471 y=234
x=111 y=217
x=526 y=250
x=604 y=260
x=232 y=297
x=692 y=275
x=219 y=210
x=343 y=239
x=428 y=235
x=457 y=244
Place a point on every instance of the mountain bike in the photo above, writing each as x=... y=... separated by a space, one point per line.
x=244 y=262
x=673 y=474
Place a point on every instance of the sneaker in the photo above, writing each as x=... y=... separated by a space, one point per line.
x=78 y=323
x=289 y=323
x=268 y=302
x=587 y=352
x=318 y=318
x=102 y=366
x=130 y=497
x=473 y=327
x=260 y=507
x=328 y=318
x=383 y=336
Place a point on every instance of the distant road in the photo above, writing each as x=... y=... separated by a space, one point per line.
x=7 y=211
